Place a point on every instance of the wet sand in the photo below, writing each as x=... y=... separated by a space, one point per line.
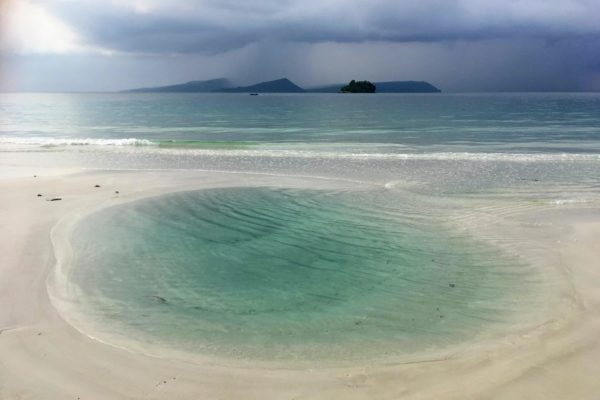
x=44 y=357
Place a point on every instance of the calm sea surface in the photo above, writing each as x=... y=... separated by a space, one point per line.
x=415 y=123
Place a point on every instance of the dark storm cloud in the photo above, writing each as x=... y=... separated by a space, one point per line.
x=458 y=45
x=216 y=26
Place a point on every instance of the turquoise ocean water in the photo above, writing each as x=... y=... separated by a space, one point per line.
x=377 y=268
x=402 y=123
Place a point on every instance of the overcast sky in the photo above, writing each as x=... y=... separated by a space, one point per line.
x=458 y=45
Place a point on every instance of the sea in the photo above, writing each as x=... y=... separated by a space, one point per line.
x=406 y=238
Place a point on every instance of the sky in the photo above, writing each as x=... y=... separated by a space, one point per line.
x=457 y=45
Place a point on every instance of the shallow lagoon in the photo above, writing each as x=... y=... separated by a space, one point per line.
x=272 y=274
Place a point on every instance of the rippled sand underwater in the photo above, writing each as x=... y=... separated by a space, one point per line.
x=303 y=274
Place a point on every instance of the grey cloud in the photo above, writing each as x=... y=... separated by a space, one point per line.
x=495 y=65
x=216 y=26
x=458 y=45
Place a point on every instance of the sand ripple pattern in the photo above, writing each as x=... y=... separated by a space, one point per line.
x=282 y=274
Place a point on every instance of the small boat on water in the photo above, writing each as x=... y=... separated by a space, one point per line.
x=253 y=94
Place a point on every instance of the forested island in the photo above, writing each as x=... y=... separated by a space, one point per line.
x=359 y=87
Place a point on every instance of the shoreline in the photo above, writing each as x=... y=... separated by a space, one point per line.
x=39 y=346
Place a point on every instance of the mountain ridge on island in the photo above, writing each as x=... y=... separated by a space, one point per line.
x=283 y=85
x=188 y=87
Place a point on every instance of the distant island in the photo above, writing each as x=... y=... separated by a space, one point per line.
x=284 y=85
x=190 y=87
x=386 y=87
x=359 y=87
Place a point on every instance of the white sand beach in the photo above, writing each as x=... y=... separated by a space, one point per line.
x=44 y=357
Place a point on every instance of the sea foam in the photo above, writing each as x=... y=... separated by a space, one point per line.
x=54 y=141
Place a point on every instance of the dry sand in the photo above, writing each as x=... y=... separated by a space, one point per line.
x=43 y=357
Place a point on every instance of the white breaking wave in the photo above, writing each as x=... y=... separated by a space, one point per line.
x=48 y=141
x=434 y=156
x=562 y=202
x=287 y=150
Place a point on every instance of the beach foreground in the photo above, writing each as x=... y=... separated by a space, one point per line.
x=44 y=357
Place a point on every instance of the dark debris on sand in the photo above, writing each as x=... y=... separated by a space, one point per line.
x=160 y=299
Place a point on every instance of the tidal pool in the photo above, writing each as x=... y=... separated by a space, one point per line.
x=272 y=274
